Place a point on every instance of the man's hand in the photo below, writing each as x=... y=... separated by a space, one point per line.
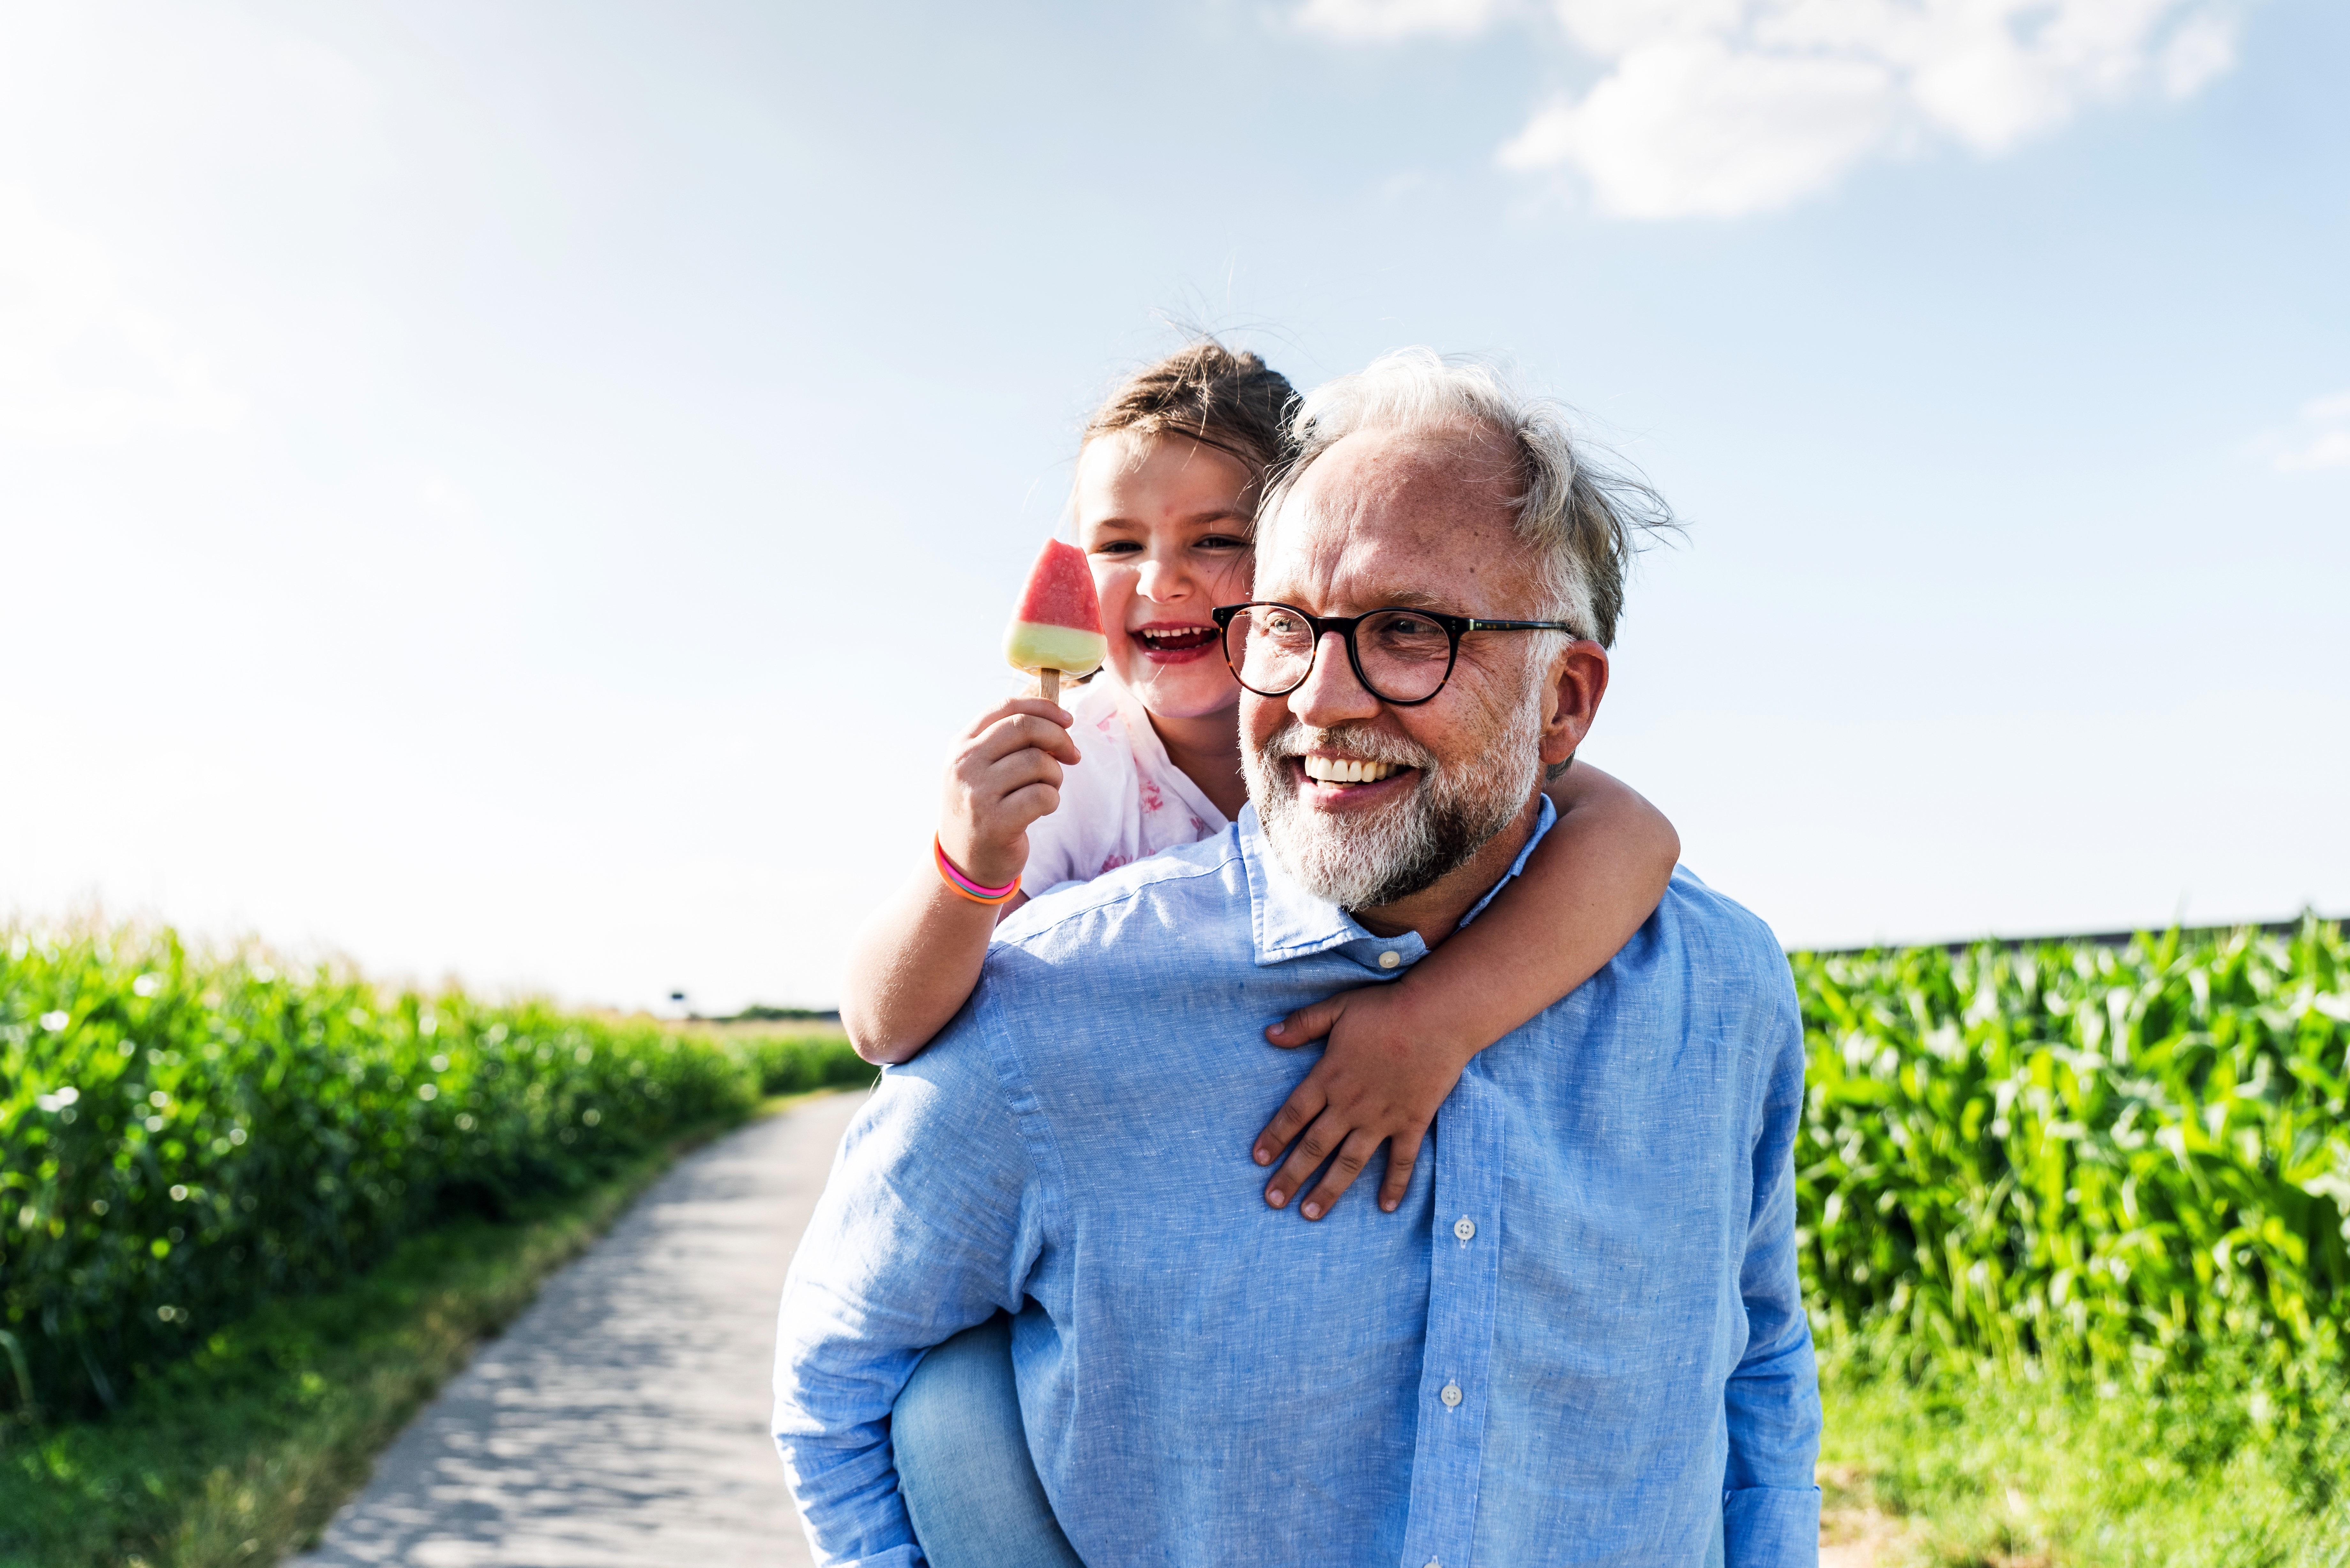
x=1380 y=1081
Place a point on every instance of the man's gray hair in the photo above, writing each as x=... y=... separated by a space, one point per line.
x=1583 y=522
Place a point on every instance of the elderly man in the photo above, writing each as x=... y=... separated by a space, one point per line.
x=1580 y=1339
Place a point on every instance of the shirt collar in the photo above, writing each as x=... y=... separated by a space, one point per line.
x=1287 y=922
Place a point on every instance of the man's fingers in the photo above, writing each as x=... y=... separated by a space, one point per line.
x=1353 y=1155
x=1403 y=1155
x=1304 y=1103
x=1306 y=1024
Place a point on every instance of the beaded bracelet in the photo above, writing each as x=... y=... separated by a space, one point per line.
x=954 y=878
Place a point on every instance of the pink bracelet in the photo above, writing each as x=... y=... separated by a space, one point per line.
x=954 y=877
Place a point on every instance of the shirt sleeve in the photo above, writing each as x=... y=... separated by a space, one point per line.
x=1771 y=1498
x=924 y=1228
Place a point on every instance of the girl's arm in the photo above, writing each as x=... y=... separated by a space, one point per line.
x=914 y=964
x=1397 y=1049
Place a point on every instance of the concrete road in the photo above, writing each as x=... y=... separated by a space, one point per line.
x=623 y=1418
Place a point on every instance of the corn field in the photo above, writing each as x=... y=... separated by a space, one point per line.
x=182 y=1139
x=2107 y=1160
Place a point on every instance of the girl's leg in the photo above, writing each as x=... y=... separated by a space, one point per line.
x=963 y=1468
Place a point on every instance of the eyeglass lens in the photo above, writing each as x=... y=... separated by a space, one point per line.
x=1404 y=654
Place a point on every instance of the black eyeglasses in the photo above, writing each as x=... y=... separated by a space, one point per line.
x=1402 y=657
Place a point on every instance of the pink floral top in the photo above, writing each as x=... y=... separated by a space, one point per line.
x=1124 y=801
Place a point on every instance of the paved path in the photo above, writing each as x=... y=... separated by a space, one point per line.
x=623 y=1418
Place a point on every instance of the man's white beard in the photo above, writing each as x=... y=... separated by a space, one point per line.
x=1367 y=860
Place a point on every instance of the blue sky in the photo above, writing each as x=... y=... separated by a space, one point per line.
x=527 y=491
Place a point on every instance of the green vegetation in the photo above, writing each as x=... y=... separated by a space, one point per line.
x=761 y=1012
x=182 y=1141
x=2072 y=1221
x=240 y=1452
x=2073 y=1228
x=1989 y=1471
x=798 y=1064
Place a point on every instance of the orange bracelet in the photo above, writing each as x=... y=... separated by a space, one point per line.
x=977 y=893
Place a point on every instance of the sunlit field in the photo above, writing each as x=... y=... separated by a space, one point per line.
x=2074 y=1237
x=249 y=1216
x=2073 y=1223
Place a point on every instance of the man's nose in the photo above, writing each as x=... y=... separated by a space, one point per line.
x=1332 y=694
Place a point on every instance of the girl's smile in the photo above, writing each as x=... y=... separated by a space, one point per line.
x=1176 y=642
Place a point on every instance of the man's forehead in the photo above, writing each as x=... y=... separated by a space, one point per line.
x=1387 y=518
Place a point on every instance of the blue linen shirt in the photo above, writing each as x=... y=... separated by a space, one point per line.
x=1581 y=1338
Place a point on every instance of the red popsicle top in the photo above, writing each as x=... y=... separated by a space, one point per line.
x=1060 y=590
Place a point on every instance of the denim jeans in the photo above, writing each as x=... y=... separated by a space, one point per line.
x=970 y=1489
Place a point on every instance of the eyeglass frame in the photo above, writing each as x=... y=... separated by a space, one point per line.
x=1455 y=628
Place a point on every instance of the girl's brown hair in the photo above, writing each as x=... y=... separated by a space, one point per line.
x=1207 y=393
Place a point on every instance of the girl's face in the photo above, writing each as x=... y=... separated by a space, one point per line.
x=1165 y=523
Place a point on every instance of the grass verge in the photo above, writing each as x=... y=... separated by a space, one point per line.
x=239 y=1455
x=1988 y=1470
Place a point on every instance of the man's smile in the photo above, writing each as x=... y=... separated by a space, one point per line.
x=1328 y=781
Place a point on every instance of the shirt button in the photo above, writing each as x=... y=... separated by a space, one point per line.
x=1389 y=958
x=1464 y=1227
x=1451 y=1396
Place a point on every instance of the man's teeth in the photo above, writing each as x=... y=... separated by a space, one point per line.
x=1348 y=769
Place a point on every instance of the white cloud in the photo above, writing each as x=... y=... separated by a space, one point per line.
x=79 y=363
x=1772 y=131
x=2319 y=438
x=1719 y=108
x=1384 y=21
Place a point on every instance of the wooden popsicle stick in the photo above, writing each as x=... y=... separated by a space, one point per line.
x=1050 y=680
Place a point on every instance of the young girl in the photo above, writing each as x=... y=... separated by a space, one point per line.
x=1146 y=757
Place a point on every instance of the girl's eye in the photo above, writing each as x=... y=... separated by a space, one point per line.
x=1223 y=542
x=1115 y=548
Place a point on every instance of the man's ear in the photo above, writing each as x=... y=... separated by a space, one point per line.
x=1579 y=679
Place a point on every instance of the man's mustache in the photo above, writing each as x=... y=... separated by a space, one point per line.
x=1354 y=744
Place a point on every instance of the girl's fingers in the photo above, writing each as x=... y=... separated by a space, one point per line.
x=1308 y=1024
x=1403 y=1156
x=1035 y=707
x=1304 y=1103
x=978 y=787
x=1026 y=804
x=1317 y=1144
x=1021 y=731
x=1353 y=1155
x=989 y=807
x=1018 y=771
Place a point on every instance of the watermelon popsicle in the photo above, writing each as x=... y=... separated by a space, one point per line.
x=1057 y=630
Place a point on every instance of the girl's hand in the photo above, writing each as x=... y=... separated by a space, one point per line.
x=1380 y=1081
x=1003 y=774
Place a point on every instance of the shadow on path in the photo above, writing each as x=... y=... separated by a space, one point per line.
x=623 y=1418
